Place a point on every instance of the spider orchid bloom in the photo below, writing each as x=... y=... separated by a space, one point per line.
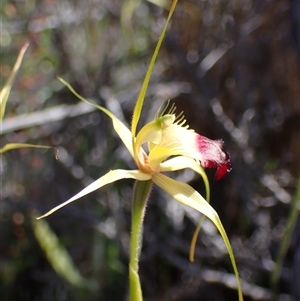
x=163 y=145
x=166 y=136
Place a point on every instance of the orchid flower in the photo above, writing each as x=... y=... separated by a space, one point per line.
x=163 y=145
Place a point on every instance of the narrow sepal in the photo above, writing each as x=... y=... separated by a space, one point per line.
x=141 y=96
x=188 y=196
x=110 y=177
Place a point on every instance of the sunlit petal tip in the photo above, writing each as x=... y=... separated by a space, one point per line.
x=213 y=156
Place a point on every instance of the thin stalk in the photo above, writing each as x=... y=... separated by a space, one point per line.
x=140 y=196
x=291 y=221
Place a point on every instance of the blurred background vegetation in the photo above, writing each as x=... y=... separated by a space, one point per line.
x=232 y=66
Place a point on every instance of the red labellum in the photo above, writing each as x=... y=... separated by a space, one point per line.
x=212 y=156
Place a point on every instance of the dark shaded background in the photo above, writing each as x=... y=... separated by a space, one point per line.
x=232 y=66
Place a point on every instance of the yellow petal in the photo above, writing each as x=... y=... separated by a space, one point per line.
x=120 y=128
x=182 y=162
x=141 y=96
x=157 y=155
x=177 y=140
x=152 y=131
x=4 y=93
x=110 y=177
x=188 y=196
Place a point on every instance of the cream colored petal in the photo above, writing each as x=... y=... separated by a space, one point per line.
x=110 y=177
x=188 y=196
x=152 y=131
x=182 y=162
x=149 y=132
x=181 y=139
x=176 y=140
x=159 y=154
x=121 y=129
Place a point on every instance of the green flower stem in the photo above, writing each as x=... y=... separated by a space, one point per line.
x=140 y=196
